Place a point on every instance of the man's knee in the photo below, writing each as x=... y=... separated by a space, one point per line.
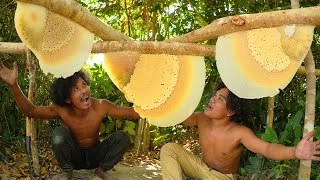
x=59 y=136
x=169 y=149
x=122 y=136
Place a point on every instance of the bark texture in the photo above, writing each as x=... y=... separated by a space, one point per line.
x=12 y=48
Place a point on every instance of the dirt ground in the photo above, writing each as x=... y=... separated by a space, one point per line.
x=123 y=172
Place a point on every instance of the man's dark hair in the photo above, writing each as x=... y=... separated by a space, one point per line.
x=239 y=106
x=61 y=88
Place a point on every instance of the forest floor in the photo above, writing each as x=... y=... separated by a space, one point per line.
x=123 y=172
x=14 y=165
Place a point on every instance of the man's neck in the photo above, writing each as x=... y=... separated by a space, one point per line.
x=219 y=122
x=79 y=112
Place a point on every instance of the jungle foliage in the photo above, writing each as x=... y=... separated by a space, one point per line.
x=158 y=21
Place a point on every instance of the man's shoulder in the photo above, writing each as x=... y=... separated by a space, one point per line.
x=239 y=127
x=97 y=100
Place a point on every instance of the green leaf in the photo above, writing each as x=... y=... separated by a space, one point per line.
x=297 y=119
x=270 y=136
x=130 y=124
x=109 y=127
x=130 y=131
x=102 y=128
x=251 y=169
x=200 y=20
x=256 y=161
x=317 y=135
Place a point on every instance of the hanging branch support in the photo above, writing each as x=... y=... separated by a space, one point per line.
x=146 y=47
x=222 y=26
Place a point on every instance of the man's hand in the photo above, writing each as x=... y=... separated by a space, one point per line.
x=7 y=75
x=308 y=150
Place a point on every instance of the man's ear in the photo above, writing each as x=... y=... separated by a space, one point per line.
x=68 y=101
x=230 y=113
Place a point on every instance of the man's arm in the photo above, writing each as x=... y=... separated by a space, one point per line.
x=192 y=120
x=305 y=150
x=115 y=111
x=10 y=78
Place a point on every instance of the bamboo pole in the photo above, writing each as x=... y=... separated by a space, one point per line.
x=139 y=136
x=146 y=138
x=270 y=114
x=305 y=166
x=31 y=122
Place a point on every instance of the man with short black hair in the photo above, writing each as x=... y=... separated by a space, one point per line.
x=222 y=140
x=76 y=145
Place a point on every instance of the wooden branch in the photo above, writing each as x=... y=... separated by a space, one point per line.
x=12 y=48
x=146 y=47
x=75 y=12
x=302 y=71
x=151 y=47
x=226 y=25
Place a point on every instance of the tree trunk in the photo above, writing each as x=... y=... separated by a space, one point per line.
x=32 y=123
x=305 y=166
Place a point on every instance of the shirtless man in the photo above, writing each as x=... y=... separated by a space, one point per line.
x=222 y=141
x=76 y=145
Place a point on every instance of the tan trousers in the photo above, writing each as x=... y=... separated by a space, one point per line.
x=176 y=161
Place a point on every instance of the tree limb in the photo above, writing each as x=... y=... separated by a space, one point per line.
x=146 y=47
x=226 y=25
x=151 y=47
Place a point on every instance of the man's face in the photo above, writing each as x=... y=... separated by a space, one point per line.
x=217 y=106
x=80 y=95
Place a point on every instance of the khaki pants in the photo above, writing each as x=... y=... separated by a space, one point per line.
x=176 y=161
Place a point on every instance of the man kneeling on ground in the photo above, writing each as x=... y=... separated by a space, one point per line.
x=76 y=145
x=222 y=140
